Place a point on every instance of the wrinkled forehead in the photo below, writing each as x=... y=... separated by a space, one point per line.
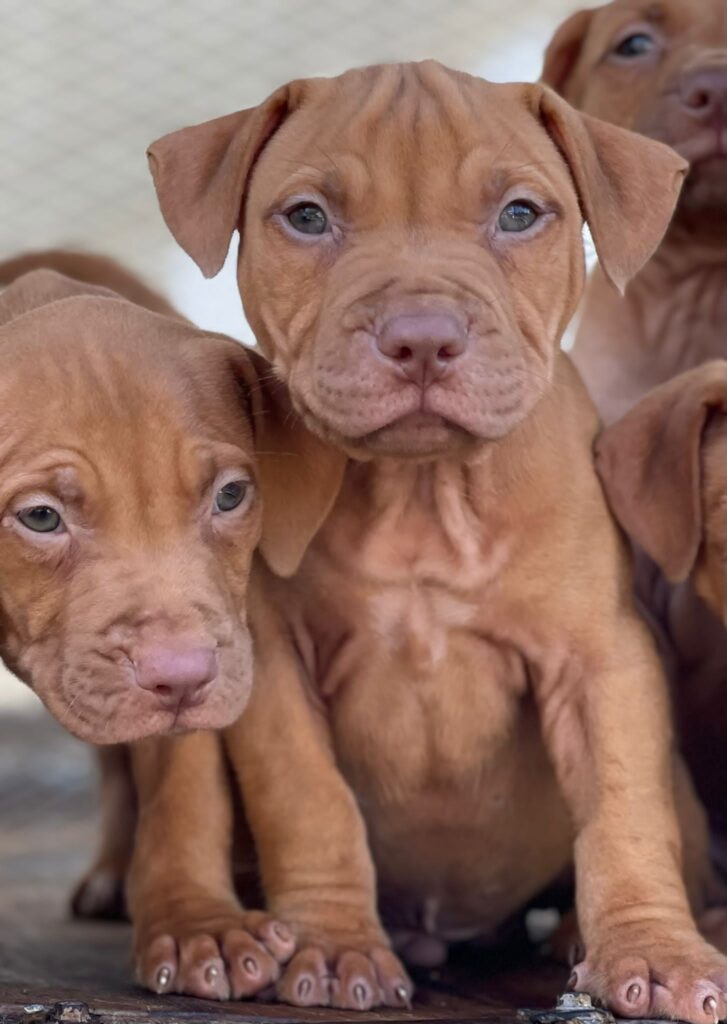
x=698 y=22
x=415 y=130
x=106 y=375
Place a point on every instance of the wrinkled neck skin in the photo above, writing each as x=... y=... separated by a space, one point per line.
x=673 y=317
x=450 y=521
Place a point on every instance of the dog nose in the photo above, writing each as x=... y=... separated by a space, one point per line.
x=704 y=93
x=177 y=676
x=422 y=346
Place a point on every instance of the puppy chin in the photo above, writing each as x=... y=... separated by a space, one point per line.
x=417 y=436
x=135 y=715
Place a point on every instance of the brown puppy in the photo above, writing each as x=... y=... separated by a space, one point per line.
x=661 y=68
x=658 y=67
x=453 y=682
x=664 y=469
x=132 y=500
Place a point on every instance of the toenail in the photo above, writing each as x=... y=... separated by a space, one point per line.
x=211 y=974
x=250 y=965
x=633 y=993
x=164 y=976
x=304 y=987
x=573 y=980
x=402 y=994
x=359 y=994
x=710 y=1007
x=282 y=932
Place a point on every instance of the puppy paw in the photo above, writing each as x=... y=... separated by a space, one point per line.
x=349 y=979
x=669 y=976
x=100 y=896
x=231 y=957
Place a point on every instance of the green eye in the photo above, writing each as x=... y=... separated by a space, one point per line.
x=308 y=219
x=635 y=46
x=517 y=216
x=40 y=519
x=230 y=496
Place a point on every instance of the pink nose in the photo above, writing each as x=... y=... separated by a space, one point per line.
x=704 y=93
x=177 y=676
x=422 y=346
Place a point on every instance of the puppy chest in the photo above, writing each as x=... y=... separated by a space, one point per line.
x=419 y=697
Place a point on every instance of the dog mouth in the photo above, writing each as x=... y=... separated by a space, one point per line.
x=703 y=147
x=417 y=434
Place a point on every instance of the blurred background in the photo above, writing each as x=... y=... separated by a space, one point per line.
x=87 y=85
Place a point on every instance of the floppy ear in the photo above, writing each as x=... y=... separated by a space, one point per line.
x=650 y=463
x=299 y=475
x=628 y=185
x=38 y=288
x=201 y=173
x=564 y=49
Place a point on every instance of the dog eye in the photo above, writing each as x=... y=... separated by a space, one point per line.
x=308 y=219
x=636 y=45
x=40 y=519
x=517 y=216
x=230 y=496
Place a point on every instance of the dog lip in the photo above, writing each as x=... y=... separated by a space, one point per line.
x=706 y=145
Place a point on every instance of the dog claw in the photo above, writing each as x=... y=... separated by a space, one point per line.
x=402 y=994
x=633 y=993
x=211 y=974
x=304 y=987
x=164 y=976
x=359 y=994
x=710 y=1007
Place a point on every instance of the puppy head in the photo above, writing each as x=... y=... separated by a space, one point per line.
x=412 y=242
x=664 y=469
x=658 y=67
x=131 y=501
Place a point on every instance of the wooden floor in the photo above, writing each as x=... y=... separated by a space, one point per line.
x=46 y=832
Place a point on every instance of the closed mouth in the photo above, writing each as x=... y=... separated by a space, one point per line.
x=707 y=145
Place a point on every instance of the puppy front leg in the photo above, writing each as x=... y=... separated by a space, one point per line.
x=311 y=842
x=607 y=726
x=190 y=933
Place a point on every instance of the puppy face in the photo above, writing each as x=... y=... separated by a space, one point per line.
x=413 y=253
x=658 y=67
x=411 y=243
x=129 y=511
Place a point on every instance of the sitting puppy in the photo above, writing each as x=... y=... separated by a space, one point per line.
x=665 y=472
x=454 y=693
x=136 y=455
x=661 y=69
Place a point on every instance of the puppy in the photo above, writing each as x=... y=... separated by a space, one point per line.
x=665 y=473
x=136 y=456
x=661 y=69
x=454 y=691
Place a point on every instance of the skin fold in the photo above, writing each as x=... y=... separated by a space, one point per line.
x=455 y=696
x=670 y=84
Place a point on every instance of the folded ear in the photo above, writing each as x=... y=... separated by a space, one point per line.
x=201 y=173
x=299 y=475
x=628 y=184
x=651 y=465
x=564 y=49
x=38 y=288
